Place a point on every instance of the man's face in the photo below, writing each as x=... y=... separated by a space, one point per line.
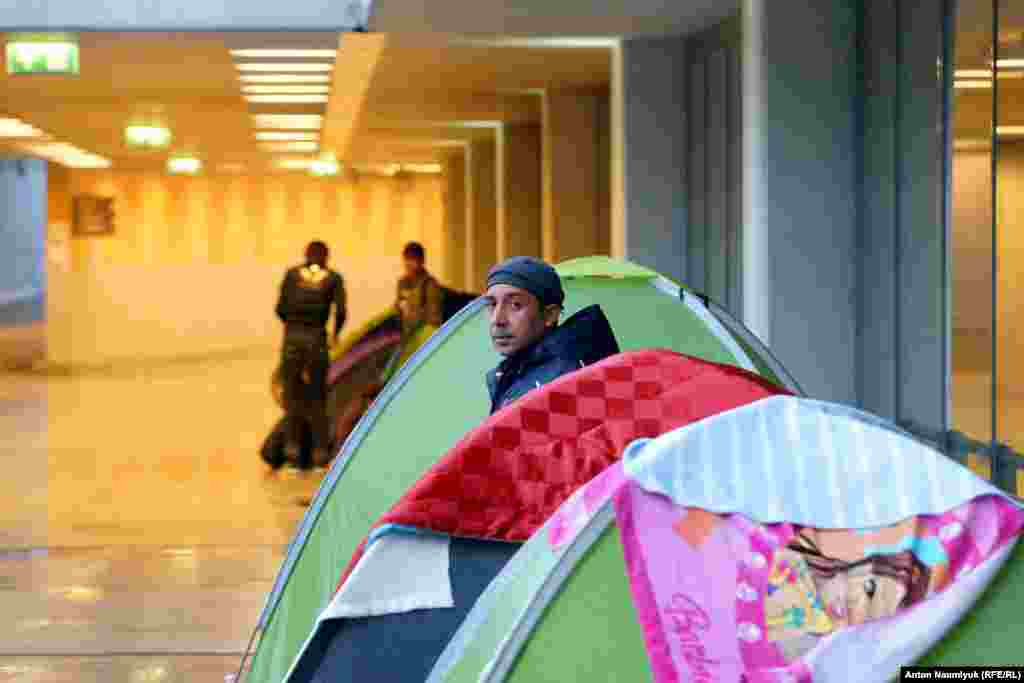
x=516 y=318
x=412 y=265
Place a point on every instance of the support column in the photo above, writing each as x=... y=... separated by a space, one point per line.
x=481 y=212
x=519 y=191
x=800 y=92
x=453 y=260
x=572 y=187
x=648 y=110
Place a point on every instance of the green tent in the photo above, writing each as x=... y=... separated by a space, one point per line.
x=439 y=395
x=666 y=566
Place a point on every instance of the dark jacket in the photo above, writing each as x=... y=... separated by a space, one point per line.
x=424 y=301
x=307 y=296
x=583 y=339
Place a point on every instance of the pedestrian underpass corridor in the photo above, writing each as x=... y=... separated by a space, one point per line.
x=139 y=530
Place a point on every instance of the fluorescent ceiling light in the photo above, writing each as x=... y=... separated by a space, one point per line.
x=184 y=165
x=986 y=74
x=66 y=155
x=287 y=99
x=290 y=146
x=285 y=78
x=1010 y=130
x=284 y=136
x=972 y=85
x=286 y=89
x=289 y=121
x=15 y=128
x=1011 y=63
x=285 y=67
x=270 y=53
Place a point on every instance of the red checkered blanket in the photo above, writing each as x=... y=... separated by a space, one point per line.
x=506 y=477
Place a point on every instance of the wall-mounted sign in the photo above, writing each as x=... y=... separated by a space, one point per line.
x=93 y=216
x=42 y=53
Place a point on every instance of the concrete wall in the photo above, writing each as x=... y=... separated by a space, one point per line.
x=715 y=164
x=799 y=248
x=455 y=221
x=903 y=315
x=22 y=240
x=572 y=187
x=481 y=212
x=195 y=264
x=649 y=92
x=518 y=165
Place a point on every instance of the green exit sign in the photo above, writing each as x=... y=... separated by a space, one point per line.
x=44 y=53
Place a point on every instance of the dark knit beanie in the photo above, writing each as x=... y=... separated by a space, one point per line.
x=533 y=275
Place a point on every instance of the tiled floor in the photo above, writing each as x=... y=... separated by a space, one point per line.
x=139 y=531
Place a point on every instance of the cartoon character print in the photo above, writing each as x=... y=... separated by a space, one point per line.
x=820 y=581
x=810 y=593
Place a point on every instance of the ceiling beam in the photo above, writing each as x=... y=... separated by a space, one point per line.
x=186 y=15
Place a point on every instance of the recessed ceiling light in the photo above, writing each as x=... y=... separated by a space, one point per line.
x=285 y=67
x=15 y=128
x=287 y=99
x=290 y=146
x=284 y=136
x=65 y=155
x=184 y=165
x=270 y=53
x=289 y=121
x=285 y=78
x=286 y=89
x=324 y=167
x=147 y=136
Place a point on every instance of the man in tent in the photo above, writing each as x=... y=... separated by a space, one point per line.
x=524 y=300
x=308 y=294
x=419 y=298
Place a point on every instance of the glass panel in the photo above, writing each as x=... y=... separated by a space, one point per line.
x=1010 y=226
x=972 y=226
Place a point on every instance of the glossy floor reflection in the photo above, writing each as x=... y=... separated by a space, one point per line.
x=139 y=531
